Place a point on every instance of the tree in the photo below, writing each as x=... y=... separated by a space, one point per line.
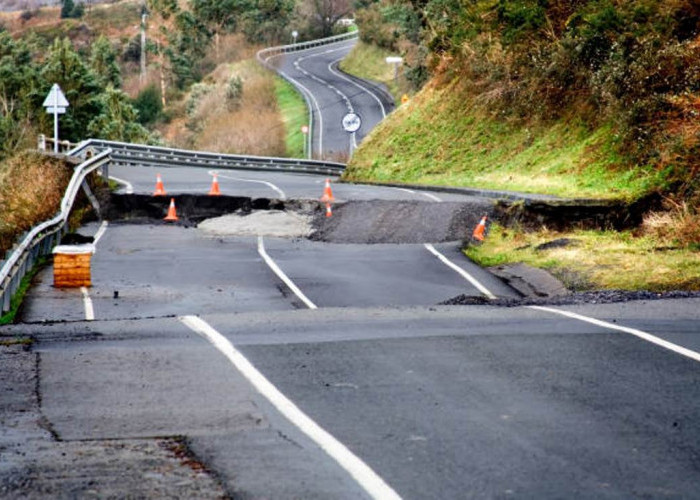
x=324 y=14
x=67 y=9
x=267 y=21
x=118 y=119
x=63 y=65
x=18 y=94
x=103 y=60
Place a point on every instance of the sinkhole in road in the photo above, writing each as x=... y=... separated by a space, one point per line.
x=363 y=222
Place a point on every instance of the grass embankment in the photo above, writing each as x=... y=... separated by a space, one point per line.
x=444 y=137
x=31 y=188
x=294 y=115
x=369 y=62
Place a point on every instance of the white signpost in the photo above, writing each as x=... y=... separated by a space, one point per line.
x=55 y=103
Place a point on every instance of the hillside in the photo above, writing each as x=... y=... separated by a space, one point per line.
x=592 y=99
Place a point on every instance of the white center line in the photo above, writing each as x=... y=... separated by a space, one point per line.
x=87 y=302
x=127 y=185
x=471 y=279
x=276 y=269
x=632 y=331
x=427 y=195
x=268 y=184
x=360 y=471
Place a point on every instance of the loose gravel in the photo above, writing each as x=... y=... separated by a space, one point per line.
x=275 y=223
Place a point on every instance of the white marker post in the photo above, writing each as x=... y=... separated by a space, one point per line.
x=305 y=131
x=55 y=103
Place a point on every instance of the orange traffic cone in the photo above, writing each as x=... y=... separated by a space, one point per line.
x=329 y=212
x=172 y=213
x=480 y=229
x=160 y=190
x=214 y=191
x=327 y=193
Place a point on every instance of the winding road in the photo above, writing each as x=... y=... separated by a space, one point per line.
x=293 y=368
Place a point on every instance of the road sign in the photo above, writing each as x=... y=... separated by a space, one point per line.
x=56 y=100
x=55 y=103
x=304 y=129
x=352 y=122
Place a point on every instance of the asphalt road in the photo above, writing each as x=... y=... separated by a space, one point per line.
x=333 y=95
x=302 y=369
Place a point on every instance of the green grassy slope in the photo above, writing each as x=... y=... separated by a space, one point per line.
x=445 y=137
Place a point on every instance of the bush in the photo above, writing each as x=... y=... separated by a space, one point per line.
x=149 y=105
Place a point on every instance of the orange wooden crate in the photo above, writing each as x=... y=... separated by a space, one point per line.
x=71 y=266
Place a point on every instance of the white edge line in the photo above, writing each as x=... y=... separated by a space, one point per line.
x=632 y=331
x=87 y=302
x=268 y=184
x=280 y=274
x=127 y=185
x=360 y=471
x=100 y=232
x=471 y=279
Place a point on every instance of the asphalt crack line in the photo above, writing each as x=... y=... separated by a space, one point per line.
x=372 y=483
x=632 y=331
x=471 y=279
x=281 y=275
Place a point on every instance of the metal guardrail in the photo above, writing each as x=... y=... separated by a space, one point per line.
x=158 y=156
x=40 y=240
x=264 y=55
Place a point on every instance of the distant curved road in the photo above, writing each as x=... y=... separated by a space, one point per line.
x=332 y=94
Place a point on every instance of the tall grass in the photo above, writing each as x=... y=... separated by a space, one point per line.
x=294 y=115
x=31 y=188
x=253 y=126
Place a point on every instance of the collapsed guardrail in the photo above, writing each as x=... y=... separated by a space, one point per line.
x=158 y=156
x=40 y=240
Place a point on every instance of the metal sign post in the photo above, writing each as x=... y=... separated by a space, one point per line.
x=55 y=103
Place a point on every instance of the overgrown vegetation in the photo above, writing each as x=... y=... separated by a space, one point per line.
x=597 y=260
x=632 y=66
x=31 y=188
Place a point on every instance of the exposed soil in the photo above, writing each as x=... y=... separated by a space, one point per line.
x=594 y=297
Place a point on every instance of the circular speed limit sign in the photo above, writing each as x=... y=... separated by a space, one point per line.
x=352 y=122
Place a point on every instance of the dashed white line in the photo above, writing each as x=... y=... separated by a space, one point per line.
x=372 y=483
x=471 y=279
x=632 y=331
x=87 y=303
x=268 y=184
x=276 y=269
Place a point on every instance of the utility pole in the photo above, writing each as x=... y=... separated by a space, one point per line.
x=144 y=14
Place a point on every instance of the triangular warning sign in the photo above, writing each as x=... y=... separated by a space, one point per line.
x=56 y=99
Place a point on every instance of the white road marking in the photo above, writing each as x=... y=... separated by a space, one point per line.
x=268 y=184
x=276 y=269
x=127 y=185
x=632 y=331
x=471 y=279
x=361 y=87
x=100 y=232
x=87 y=302
x=427 y=195
x=360 y=471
